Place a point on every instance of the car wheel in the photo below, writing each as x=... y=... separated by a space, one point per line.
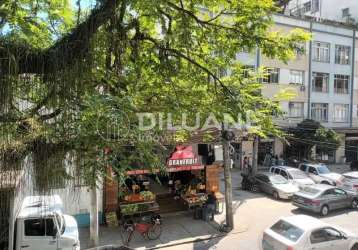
x=255 y=188
x=275 y=195
x=354 y=204
x=355 y=247
x=325 y=182
x=325 y=210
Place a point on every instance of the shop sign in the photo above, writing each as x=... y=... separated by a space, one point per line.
x=182 y=162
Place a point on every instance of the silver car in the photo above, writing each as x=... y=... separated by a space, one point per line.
x=275 y=185
x=322 y=198
x=320 y=173
x=293 y=175
x=350 y=182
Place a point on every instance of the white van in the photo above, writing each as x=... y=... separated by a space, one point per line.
x=41 y=224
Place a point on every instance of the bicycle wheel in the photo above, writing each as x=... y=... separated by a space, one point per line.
x=154 y=232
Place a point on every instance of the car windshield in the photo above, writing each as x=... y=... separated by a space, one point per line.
x=287 y=230
x=297 y=174
x=322 y=169
x=278 y=179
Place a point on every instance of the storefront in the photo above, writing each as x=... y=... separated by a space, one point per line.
x=185 y=185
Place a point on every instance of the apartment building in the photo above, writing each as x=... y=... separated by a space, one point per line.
x=324 y=78
x=345 y=11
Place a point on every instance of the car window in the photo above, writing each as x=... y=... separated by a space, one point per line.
x=277 y=179
x=40 y=227
x=324 y=234
x=34 y=227
x=277 y=171
x=303 y=167
x=272 y=169
x=329 y=192
x=297 y=174
x=312 y=170
x=339 y=192
x=287 y=230
x=322 y=169
x=284 y=174
x=262 y=178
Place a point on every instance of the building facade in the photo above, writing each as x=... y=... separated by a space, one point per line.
x=324 y=78
x=347 y=12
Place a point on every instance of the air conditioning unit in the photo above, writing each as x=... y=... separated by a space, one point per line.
x=302 y=88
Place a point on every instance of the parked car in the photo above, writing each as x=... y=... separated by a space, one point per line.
x=320 y=173
x=354 y=166
x=350 y=182
x=293 y=175
x=302 y=232
x=275 y=185
x=322 y=198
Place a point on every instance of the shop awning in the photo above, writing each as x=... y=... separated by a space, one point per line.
x=182 y=159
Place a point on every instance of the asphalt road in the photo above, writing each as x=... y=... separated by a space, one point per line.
x=254 y=213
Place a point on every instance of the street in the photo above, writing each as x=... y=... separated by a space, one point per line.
x=254 y=213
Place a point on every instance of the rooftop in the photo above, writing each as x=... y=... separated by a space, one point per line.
x=304 y=221
x=40 y=206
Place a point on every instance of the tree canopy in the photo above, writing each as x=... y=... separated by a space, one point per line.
x=310 y=133
x=59 y=89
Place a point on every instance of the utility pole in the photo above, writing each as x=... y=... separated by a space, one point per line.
x=228 y=181
x=254 y=154
x=94 y=238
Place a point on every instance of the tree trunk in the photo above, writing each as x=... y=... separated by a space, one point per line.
x=228 y=185
x=254 y=155
x=94 y=238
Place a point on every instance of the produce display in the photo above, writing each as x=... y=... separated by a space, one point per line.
x=147 y=195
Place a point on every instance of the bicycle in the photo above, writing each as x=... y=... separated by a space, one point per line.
x=149 y=231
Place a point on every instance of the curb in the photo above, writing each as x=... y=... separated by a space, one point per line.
x=193 y=240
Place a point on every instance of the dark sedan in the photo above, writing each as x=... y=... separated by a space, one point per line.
x=322 y=198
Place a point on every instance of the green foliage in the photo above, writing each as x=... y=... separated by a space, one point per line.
x=310 y=133
x=37 y=23
x=147 y=56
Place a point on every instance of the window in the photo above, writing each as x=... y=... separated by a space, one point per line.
x=284 y=174
x=341 y=112
x=295 y=109
x=320 y=82
x=40 y=227
x=303 y=167
x=271 y=75
x=341 y=84
x=339 y=192
x=307 y=6
x=315 y=6
x=247 y=70
x=342 y=54
x=300 y=49
x=321 y=52
x=319 y=111
x=312 y=170
x=346 y=12
x=324 y=235
x=277 y=171
x=297 y=77
x=35 y=227
x=287 y=230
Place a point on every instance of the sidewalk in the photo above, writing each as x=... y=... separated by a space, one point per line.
x=178 y=228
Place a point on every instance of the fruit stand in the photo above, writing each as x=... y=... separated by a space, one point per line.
x=194 y=200
x=138 y=204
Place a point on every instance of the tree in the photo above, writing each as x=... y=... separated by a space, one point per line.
x=128 y=57
x=309 y=134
